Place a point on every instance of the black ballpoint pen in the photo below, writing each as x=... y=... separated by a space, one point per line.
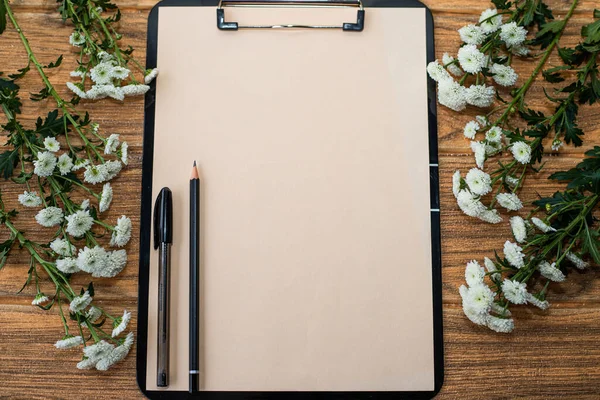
x=163 y=238
x=194 y=280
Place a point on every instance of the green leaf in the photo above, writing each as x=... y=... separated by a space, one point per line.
x=8 y=84
x=8 y=162
x=90 y=289
x=553 y=27
x=41 y=95
x=590 y=243
x=29 y=273
x=2 y=17
x=20 y=73
x=502 y=4
x=52 y=125
x=56 y=63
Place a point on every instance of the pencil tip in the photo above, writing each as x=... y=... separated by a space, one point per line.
x=194 y=172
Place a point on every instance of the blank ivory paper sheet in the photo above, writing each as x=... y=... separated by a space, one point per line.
x=312 y=148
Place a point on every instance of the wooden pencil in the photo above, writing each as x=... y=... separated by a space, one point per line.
x=194 y=280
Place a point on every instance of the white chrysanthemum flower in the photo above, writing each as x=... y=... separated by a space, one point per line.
x=537 y=302
x=471 y=129
x=106 y=57
x=92 y=260
x=85 y=204
x=519 y=230
x=99 y=91
x=93 y=314
x=513 y=34
x=521 y=50
x=150 y=75
x=120 y=72
x=78 y=73
x=62 y=247
x=471 y=59
x=479 y=148
x=479 y=182
x=510 y=201
x=39 y=299
x=474 y=273
x=491 y=267
x=436 y=71
x=122 y=233
x=106 y=197
x=492 y=148
x=49 y=216
x=95 y=173
x=65 y=164
x=86 y=363
x=477 y=301
x=470 y=204
x=549 y=271
x=80 y=163
x=134 y=90
x=494 y=134
x=490 y=216
x=68 y=265
x=504 y=75
x=44 y=164
x=557 y=144
x=490 y=21
x=511 y=181
x=80 y=302
x=452 y=95
x=51 y=144
x=500 y=310
x=120 y=324
x=102 y=73
x=111 y=144
x=116 y=355
x=115 y=262
x=472 y=34
x=482 y=120
x=97 y=351
x=77 y=90
x=542 y=226
x=500 y=325
x=68 y=342
x=456 y=183
x=522 y=152
x=124 y=157
x=449 y=63
x=512 y=252
x=578 y=262
x=515 y=292
x=481 y=95
x=76 y=39
x=79 y=223
x=30 y=199
x=113 y=168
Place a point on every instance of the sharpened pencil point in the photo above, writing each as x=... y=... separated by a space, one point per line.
x=194 y=174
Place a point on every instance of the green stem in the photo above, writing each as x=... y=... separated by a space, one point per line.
x=523 y=90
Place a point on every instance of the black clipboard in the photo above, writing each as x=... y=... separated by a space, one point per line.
x=146 y=221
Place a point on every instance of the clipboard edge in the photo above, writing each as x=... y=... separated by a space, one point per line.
x=146 y=211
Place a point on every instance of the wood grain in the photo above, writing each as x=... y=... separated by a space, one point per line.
x=552 y=354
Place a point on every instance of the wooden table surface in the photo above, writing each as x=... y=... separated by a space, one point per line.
x=555 y=353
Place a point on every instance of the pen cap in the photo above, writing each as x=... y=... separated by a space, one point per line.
x=163 y=217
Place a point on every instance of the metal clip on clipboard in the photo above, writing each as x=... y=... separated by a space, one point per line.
x=346 y=26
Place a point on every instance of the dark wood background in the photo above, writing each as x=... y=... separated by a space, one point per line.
x=551 y=354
